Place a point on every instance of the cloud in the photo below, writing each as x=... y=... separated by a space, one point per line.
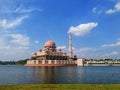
x=85 y=52
x=36 y=41
x=114 y=10
x=2 y=43
x=14 y=47
x=24 y=10
x=114 y=53
x=97 y=52
x=61 y=47
x=10 y=53
x=20 y=39
x=86 y=49
x=82 y=29
x=118 y=39
x=16 y=7
x=112 y=45
x=111 y=54
x=94 y=10
x=20 y=10
x=5 y=24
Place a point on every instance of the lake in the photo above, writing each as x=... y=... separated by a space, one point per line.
x=13 y=74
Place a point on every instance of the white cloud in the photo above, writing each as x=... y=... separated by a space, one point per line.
x=118 y=39
x=73 y=48
x=114 y=53
x=61 y=47
x=36 y=41
x=97 y=52
x=94 y=10
x=21 y=10
x=16 y=7
x=86 y=49
x=85 y=52
x=115 y=9
x=2 y=43
x=24 y=10
x=20 y=39
x=112 y=45
x=111 y=54
x=5 y=24
x=82 y=29
x=8 y=53
x=14 y=48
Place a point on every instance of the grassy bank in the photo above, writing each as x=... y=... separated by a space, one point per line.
x=61 y=87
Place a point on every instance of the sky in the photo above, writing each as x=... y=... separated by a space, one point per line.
x=25 y=25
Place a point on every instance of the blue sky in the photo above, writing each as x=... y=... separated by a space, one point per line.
x=25 y=25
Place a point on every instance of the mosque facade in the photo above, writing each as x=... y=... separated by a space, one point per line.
x=51 y=56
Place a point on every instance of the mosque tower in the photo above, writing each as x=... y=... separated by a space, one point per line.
x=70 y=47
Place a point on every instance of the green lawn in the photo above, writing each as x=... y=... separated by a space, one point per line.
x=61 y=87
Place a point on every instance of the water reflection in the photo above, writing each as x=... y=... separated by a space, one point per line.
x=54 y=74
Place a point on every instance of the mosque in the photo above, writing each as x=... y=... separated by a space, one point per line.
x=51 y=56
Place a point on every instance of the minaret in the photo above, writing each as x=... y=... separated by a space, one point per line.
x=70 y=46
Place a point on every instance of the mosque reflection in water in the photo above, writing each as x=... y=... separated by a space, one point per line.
x=54 y=75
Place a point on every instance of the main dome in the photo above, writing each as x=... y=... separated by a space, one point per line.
x=50 y=43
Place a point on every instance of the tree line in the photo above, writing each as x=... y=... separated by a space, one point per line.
x=20 y=62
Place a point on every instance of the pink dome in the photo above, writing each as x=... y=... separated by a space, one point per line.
x=49 y=43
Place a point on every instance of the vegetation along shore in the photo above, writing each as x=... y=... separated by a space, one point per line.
x=20 y=62
x=61 y=87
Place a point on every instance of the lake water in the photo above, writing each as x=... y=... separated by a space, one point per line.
x=61 y=75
